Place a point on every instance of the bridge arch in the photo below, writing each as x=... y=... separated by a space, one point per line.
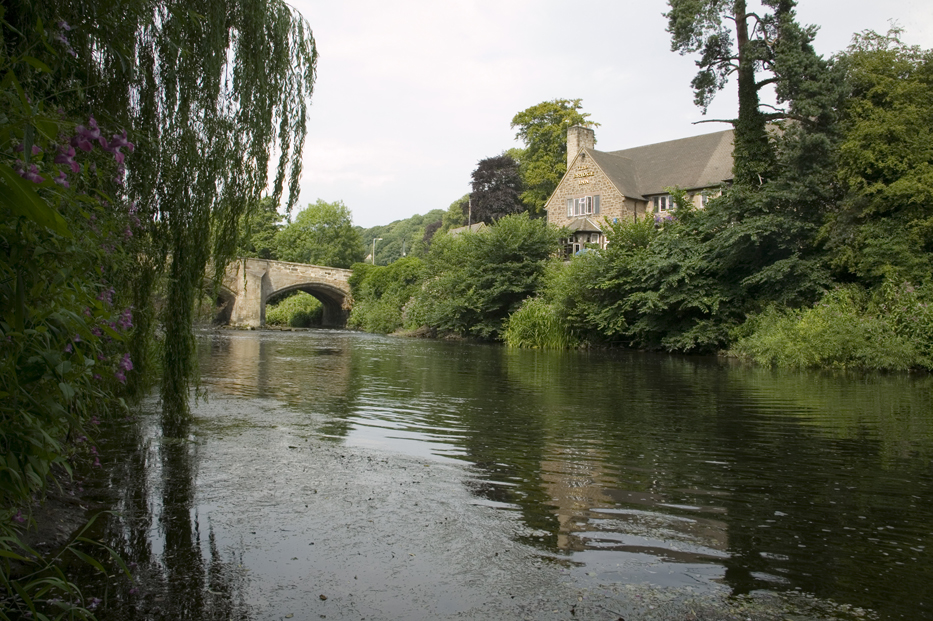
x=331 y=298
x=224 y=301
x=257 y=281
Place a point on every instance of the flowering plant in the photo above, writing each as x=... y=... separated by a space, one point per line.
x=68 y=234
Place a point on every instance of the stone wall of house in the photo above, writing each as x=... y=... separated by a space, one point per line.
x=584 y=178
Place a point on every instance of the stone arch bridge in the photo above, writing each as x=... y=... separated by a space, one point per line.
x=250 y=284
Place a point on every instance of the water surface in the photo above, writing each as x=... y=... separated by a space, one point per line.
x=619 y=468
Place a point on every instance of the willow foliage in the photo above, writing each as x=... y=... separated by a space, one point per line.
x=214 y=94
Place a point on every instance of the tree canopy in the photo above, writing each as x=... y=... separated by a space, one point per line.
x=884 y=227
x=473 y=281
x=543 y=162
x=497 y=188
x=258 y=229
x=322 y=234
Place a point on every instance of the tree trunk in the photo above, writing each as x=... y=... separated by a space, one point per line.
x=751 y=153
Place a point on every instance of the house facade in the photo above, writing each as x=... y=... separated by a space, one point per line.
x=602 y=186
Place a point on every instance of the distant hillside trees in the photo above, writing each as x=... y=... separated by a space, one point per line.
x=400 y=238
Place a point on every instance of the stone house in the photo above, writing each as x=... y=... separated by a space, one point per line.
x=602 y=186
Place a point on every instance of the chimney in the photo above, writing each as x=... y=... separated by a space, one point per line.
x=578 y=138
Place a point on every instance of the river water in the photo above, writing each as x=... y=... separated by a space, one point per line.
x=331 y=474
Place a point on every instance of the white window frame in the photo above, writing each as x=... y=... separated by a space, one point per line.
x=583 y=206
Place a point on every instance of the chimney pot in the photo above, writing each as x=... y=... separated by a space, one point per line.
x=578 y=138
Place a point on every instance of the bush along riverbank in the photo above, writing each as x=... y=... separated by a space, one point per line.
x=826 y=260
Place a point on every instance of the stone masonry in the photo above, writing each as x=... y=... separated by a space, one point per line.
x=250 y=283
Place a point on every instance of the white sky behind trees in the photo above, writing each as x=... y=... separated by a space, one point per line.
x=411 y=94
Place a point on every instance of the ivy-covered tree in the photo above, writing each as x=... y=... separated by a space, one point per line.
x=543 y=161
x=497 y=188
x=322 y=234
x=732 y=40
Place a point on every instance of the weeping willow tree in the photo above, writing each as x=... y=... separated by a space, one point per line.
x=213 y=93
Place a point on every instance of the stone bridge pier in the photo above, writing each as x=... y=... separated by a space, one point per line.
x=249 y=284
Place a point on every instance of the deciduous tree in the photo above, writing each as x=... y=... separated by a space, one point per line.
x=497 y=188
x=885 y=226
x=475 y=280
x=258 y=229
x=322 y=234
x=207 y=90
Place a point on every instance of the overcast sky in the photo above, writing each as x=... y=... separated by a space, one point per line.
x=411 y=94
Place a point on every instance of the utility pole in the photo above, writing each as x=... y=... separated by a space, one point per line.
x=375 y=239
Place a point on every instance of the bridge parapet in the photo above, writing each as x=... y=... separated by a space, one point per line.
x=253 y=282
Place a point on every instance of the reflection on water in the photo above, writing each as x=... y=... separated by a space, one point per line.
x=765 y=479
x=634 y=467
x=177 y=570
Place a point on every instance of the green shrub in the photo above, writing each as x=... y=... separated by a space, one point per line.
x=846 y=329
x=538 y=325
x=300 y=310
x=475 y=280
x=380 y=294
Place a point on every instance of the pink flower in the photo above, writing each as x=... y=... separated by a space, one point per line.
x=81 y=143
x=32 y=174
x=19 y=148
x=62 y=180
x=126 y=364
x=126 y=320
x=120 y=140
x=87 y=135
x=66 y=155
x=106 y=296
x=19 y=517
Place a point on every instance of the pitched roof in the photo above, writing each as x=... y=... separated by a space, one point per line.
x=688 y=163
x=473 y=228
x=584 y=225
